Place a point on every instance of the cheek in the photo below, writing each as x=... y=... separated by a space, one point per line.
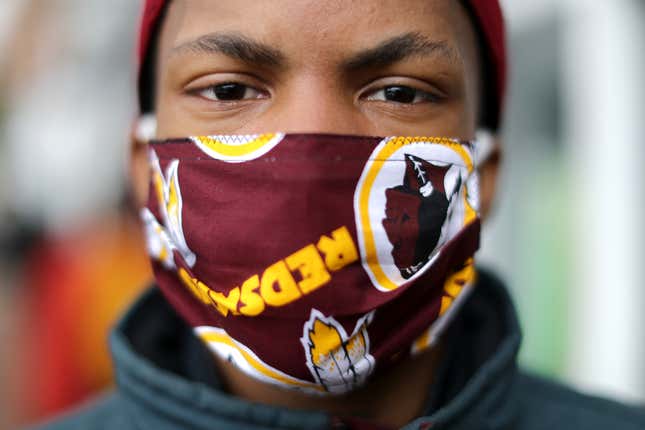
x=139 y=174
x=469 y=113
x=169 y=115
x=460 y=120
x=453 y=119
x=488 y=184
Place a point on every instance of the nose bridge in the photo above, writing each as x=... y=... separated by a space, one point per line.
x=315 y=105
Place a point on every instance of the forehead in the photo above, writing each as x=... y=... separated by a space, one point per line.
x=319 y=32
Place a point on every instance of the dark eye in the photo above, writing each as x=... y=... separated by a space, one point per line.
x=230 y=91
x=400 y=94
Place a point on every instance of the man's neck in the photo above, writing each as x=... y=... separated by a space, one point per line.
x=391 y=399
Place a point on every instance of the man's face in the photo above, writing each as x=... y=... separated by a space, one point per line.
x=370 y=67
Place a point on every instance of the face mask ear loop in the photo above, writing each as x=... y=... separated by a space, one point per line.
x=145 y=128
x=484 y=144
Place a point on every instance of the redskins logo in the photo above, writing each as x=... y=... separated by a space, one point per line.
x=414 y=195
x=237 y=149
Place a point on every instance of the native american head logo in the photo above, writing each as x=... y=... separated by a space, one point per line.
x=413 y=196
x=162 y=240
x=415 y=213
x=338 y=362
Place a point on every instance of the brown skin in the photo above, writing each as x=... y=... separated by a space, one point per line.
x=312 y=79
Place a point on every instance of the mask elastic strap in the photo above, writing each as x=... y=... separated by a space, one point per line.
x=145 y=128
x=484 y=145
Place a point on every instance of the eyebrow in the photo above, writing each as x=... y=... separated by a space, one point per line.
x=255 y=52
x=399 y=48
x=235 y=46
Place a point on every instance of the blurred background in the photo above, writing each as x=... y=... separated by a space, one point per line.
x=567 y=235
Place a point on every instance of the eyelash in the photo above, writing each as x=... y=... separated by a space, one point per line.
x=419 y=96
x=213 y=88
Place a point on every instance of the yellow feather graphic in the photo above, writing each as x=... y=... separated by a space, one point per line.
x=163 y=238
x=324 y=339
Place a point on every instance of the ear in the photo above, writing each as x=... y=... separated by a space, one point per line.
x=142 y=131
x=488 y=172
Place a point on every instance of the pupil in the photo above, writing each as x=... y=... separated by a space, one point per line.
x=400 y=94
x=229 y=91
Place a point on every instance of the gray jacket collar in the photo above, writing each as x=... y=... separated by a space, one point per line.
x=167 y=378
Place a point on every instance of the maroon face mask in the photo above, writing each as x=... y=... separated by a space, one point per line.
x=312 y=261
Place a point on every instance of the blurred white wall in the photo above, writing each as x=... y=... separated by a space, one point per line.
x=568 y=234
x=70 y=103
x=604 y=81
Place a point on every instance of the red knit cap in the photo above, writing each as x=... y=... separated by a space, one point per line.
x=487 y=13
